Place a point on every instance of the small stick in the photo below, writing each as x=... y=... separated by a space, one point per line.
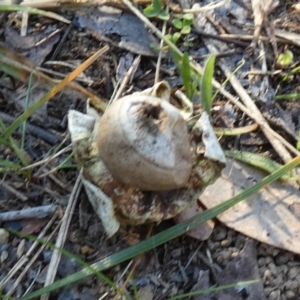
x=80 y=78
x=27 y=213
x=193 y=255
x=24 y=24
x=164 y=28
x=221 y=38
x=210 y=6
x=127 y=77
x=62 y=41
x=13 y=191
x=48 y=137
x=63 y=184
x=47 y=37
x=48 y=159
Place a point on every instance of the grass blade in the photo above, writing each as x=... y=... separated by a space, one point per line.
x=186 y=75
x=206 y=84
x=33 y=11
x=259 y=161
x=215 y=289
x=28 y=94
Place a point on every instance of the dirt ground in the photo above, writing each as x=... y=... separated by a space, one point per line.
x=183 y=264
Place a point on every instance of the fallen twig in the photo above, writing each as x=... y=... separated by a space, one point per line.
x=13 y=191
x=48 y=137
x=27 y=213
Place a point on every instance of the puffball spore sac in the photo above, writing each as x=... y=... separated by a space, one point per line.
x=144 y=143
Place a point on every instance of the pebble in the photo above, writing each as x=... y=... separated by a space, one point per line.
x=292 y=285
x=176 y=277
x=226 y=243
x=267 y=275
x=212 y=246
x=278 y=281
x=274 y=295
x=239 y=241
x=4 y=256
x=145 y=293
x=226 y=253
x=269 y=259
x=220 y=234
x=176 y=253
x=283 y=269
x=268 y=290
x=4 y=235
x=290 y=295
x=282 y=259
x=21 y=248
x=261 y=262
x=293 y=272
x=234 y=254
x=7 y=151
x=272 y=268
x=85 y=250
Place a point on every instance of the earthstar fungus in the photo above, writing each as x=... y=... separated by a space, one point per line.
x=140 y=163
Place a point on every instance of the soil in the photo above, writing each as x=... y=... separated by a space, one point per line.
x=183 y=264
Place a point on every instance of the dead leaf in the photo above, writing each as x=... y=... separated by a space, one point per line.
x=33 y=225
x=202 y=232
x=125 y=63
x=120 y=29
x=20 y=101
x=35 y=47
x=145 y=293
x=271 y=216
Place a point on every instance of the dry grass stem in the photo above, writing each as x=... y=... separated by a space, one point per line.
x=24 y=259
x=158 y=64
x=62 y=235
x=12 y=190
x=208 y=7
x=48 y=159
x=127 y=77
x=31 y=262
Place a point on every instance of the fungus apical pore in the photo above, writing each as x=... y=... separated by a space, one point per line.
x=144 y=143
